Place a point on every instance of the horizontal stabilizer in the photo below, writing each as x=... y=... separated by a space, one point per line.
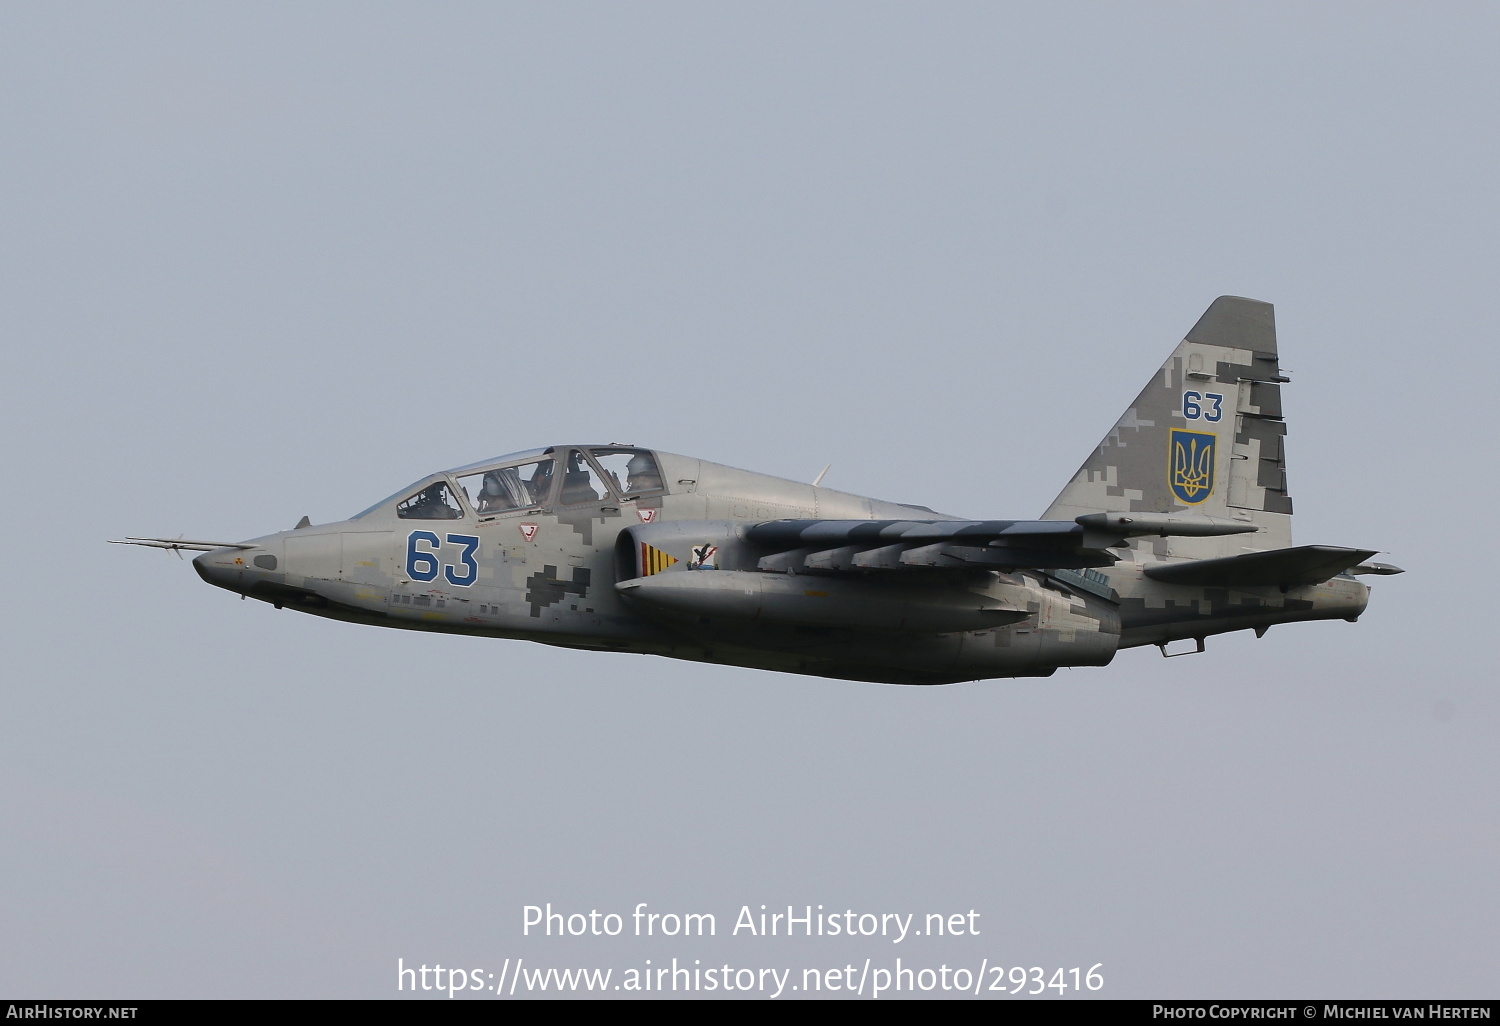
x=1304 y=564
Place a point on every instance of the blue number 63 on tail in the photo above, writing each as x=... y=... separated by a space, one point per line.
x=1192 y=406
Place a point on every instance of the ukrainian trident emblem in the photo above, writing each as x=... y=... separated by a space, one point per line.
x=1190 y=465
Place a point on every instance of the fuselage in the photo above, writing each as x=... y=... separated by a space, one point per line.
x=587 y=546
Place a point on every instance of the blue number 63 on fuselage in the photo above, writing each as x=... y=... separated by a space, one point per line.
x=423 y=565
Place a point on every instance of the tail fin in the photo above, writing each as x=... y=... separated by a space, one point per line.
x=1204 y=436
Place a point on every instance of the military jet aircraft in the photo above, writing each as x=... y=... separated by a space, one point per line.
x=1176 y=527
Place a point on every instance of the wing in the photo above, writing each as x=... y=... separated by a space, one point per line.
x=873 y=545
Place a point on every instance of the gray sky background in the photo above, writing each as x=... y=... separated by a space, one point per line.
x=270 y=260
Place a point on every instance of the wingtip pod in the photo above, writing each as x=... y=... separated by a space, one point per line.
x=1164 y=524
x=1377 y=569
x=1237 y=323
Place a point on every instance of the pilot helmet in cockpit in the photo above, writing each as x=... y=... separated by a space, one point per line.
x=501 y=490
x=642 y=473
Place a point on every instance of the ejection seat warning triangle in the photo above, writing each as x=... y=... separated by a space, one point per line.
x=646 y=515
x=528 y=531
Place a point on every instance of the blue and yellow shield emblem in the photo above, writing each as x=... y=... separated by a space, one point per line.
x=1190 y=465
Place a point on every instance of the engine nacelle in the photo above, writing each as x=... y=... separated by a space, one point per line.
x=860 y=603
x=702 y=577
x=1066 y=628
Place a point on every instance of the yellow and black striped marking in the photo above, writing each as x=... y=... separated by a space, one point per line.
x=654 y=560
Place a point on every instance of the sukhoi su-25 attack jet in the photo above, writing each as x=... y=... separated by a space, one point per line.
x=1177 y=526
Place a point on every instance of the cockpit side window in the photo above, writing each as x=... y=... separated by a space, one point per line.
x=509 y=488
x=435 y=502
x=539 y=484
x=631 y=471
x=580 y=482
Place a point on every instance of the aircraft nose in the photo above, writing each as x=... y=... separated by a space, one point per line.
x=220 y=568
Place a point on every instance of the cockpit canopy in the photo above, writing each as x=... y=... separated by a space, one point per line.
x=532 y=480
